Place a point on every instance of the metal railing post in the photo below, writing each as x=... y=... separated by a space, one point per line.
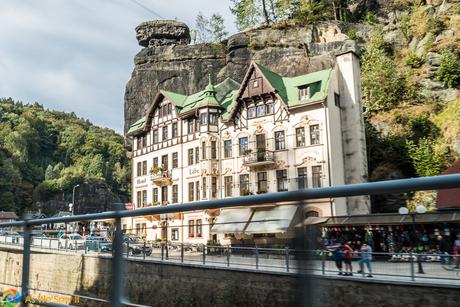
x=144 y=249
x=25 y=261
x=257 y=258
x=117 y=261
x=182 y=252
x=228 y=256
x=41 y=243
x=323 y=262
x=412 y=269
x=204 y=254
x=286 y=255
x=162 y=251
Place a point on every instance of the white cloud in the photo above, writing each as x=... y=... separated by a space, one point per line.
x=77 y=55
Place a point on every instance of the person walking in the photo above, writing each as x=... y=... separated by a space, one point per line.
x=366 y=258
x=347 y=257
x=337 y=257
x=444 y=248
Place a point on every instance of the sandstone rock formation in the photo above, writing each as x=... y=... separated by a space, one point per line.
x=168 y=62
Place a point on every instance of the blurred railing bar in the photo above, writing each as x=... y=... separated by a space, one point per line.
x=370 y=188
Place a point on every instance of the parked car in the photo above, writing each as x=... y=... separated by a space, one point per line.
x=98 y=244
x=71 y=241
x=135 y=246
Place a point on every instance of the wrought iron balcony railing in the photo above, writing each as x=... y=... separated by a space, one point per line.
x=162 y=177
x=260 y=157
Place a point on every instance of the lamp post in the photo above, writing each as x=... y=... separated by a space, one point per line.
x=420 y=209
x=72 y=205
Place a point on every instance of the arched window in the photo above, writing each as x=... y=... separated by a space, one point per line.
x=311 y=213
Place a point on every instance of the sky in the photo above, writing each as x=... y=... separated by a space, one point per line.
x=77 y=55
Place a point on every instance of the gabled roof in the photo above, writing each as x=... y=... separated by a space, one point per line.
x=8 y=215
x=137 y=126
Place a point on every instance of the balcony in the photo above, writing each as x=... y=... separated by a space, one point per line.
x=161 y=177
x=259 y=158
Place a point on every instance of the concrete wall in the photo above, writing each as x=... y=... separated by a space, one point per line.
x=174 y=285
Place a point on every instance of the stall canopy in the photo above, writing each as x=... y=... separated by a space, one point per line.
x=394 y=219
x=232 y=220
x=272 y=220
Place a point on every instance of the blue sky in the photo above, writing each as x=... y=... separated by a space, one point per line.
x=77 y=55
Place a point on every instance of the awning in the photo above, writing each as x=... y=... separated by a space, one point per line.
x=273 y=220
x=232 y=220
x=394 y=219
x=312 y=220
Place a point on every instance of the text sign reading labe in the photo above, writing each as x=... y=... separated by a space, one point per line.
x=193 y=171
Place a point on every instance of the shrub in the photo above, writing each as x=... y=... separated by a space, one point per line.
x=449 y=69
x=352 y=34
x=413 y=60
x=425 y=159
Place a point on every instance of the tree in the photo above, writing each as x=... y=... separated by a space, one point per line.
x=210 y=29
x=246 y=13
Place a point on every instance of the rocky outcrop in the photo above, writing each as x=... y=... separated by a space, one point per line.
x=168 y=62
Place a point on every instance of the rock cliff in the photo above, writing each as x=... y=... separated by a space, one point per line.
x=167 y=61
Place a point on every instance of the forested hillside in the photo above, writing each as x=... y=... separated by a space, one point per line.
x=44 y=153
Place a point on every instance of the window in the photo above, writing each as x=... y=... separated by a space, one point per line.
x=155 y=136
x=270 y=108
x=304 y=92
x=165 y=133
x=204 y=119
x=191 y=228
x=212 y=119
x=174 y=234
x=197 y=154
x=203 y=150
x=311 y=213
x=213 y=187
x=314 y=134
x=169 y=108
x=155 y=195
x=174 y=130
x=139 y=142
x=190 y=191
x=190 y=126
x=144 y=168
x=228 y=149
x=175 y=160
x=198 y=228
x=139 y=169
x=155 y=162
x=197 y=190
x=281 y=180
x=300 y=136
x=164 y=195
x=262 y=183
x=213 y=150
x=244 y=185
x=251 y=112
x=243 y=145
x=175 y=194
x=302 y=178
x=261 y=110
x=190 y=156
x=337 y=100
x=255 y=83
x=164 y=162
x=144 y=198
x=279 y=140
x=204 y=187
x=139 y=199
x=228 y=181
x=316 y=176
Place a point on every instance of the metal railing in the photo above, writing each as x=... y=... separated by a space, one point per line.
x=117 y=293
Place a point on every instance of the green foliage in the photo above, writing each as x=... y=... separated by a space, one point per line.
x=43 y=153
x=449 y=69
x=352 y=34
x=426 y=161
x=370 y=18
x=209 y=29
x=413 y=60
x=382 y=84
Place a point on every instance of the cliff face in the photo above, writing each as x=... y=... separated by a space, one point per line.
x=169 y=62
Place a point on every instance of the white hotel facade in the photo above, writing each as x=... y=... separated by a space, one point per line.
x=268 y=134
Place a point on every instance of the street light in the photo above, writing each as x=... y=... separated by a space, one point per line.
x=72 y=205
x=420 y=209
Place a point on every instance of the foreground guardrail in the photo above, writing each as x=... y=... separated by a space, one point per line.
x=118 y=298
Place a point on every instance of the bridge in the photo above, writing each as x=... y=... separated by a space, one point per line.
x=257 y=277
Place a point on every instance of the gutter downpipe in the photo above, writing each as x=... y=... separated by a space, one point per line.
x=328 y=153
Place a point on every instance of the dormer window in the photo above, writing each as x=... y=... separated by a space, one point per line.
x=304 y=92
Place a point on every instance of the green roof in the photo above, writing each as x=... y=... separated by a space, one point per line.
x=224 y=94
x=137 y=125
x=288 y=87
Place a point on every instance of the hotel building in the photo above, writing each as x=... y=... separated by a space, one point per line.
x=268 y=134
